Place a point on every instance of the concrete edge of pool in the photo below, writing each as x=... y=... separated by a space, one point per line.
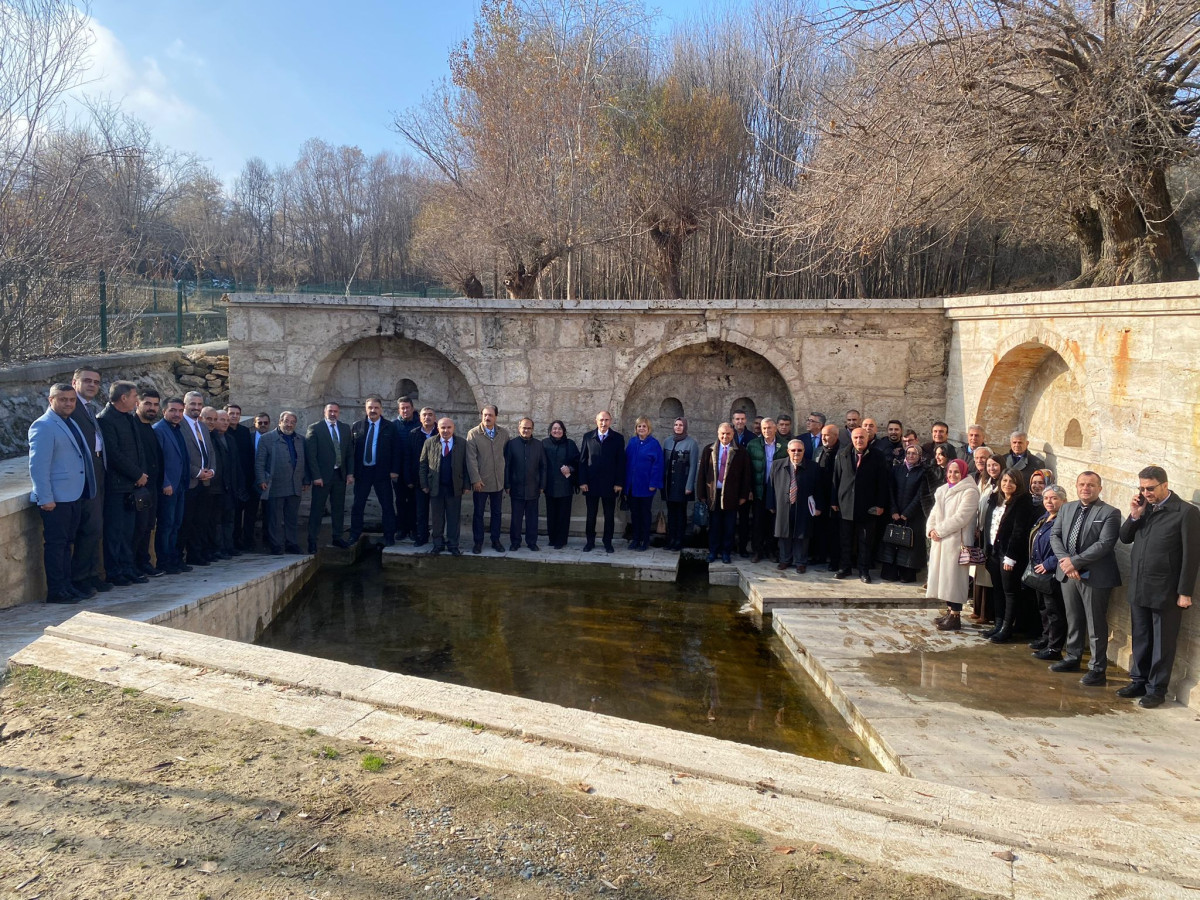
x=919 y=827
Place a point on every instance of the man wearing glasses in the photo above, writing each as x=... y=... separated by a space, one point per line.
x=1165 y=533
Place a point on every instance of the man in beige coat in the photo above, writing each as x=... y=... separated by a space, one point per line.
x=485 y=467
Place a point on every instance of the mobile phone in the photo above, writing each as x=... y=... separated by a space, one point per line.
x=1139 y=500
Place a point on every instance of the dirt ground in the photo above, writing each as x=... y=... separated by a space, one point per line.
x=111 y=794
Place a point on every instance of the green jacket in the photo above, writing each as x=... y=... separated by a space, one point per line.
x=757 y=448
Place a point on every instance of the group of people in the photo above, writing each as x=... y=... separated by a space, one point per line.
x=193 y=481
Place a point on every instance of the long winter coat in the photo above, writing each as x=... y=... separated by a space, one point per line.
x=681 y=463
x=953 y=517
x=643 y=466
x=794 y=521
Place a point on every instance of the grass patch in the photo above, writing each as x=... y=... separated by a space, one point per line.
x=326 y=753
x=373 y=763
x=310 y=732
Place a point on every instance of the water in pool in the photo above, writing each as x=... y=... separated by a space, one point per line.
x=681 y=656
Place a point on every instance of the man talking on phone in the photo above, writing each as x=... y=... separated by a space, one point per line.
x=1165 y=533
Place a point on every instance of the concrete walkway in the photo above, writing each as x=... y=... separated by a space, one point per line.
x=949 y=707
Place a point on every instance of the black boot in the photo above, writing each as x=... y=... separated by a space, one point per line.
x=1004 y=633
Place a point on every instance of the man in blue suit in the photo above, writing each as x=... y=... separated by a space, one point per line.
x=60 y=467
x=174 y=488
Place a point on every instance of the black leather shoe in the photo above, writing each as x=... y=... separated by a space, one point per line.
x=138 y=579
x=534 y=548
x=100 y=585
x=434 y=551
x=609 y=548
x=1133 y=689
x=712 y=558
x=497 y=546
x=184 y=567
x=456 y=552
x=119 y=581
x=1038 y=645
x=865 y=578
x=842 y=576
x=1151 y=701
x=339 y=542
x=82 y=591
x=62 y=598
x=589 y=547
x=725 y=559
x=1092 y=678
x=513 y=548
x=478 y=548
x=312 y=547
x=1048 y=654
x=1067 y=665
x=294 y=549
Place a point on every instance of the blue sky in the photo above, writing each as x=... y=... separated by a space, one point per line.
x=231 y=79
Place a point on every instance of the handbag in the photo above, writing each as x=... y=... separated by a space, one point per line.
x=970 y=556
x=139 y=499
x=660 y=524
x=700 y=515
x=898 y=535
x=1043 y=583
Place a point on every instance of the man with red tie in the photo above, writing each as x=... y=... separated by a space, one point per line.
x=724 y=484
x=860 y=496
x=443 y=478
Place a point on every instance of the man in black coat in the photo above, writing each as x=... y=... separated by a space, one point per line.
x=601 y=477
x=329 y=458
x=152 y=456
x=826 y=544
x=1165 y=532
x=406 y=420
x=524 y=481
x=860 y=496
x=377 y=463
x=86 y=561
x=427 y=427
x=246 y=499
x=127 y=471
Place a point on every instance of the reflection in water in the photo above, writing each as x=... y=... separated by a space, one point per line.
x=1001 y=678
x=682 y=657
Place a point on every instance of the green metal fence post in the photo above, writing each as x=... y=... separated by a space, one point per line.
x=103 y=312
x=179 y=314
x=154 y=294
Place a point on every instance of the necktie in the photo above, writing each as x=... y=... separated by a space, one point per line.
x=600 y=436
x=89 y=469
x=721 y=466
x=792 y=489
x=333 y=433
x=369 y=451
x=1076 y=528
x=200 y=443
x=858 y=460
x=445 y=448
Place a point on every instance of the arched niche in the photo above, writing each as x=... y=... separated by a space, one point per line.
x=668 y=411
x=746 y=405
x=706 y=378
x=375 y=365
x=1033 y=389
x=406 y=387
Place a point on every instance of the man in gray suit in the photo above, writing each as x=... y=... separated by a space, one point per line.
x=1083 y=538
x=443 y=476
x=85 y=563
x=280 y=475
x=1165 y=532
x=329 y=458
x=197 y=504
x=1022 y=458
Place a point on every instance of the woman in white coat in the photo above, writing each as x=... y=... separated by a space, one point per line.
x=951 y=526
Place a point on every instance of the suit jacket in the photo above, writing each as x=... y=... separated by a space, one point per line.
x=524 y=468
x=790 y=520
x=1097 y=558
x=273 y=466
x=1166 y=553
x=602 y=463
x=126 y=463
x=175 y=455
x=321 y=456
x=195 y=461
x=739 y=476
x=83 y=417
x=388 y=456
x=431 y=466
x=225 y=473
x=1028 y=463
x=56 y=462
x=152 y=454
x=412 y=455
x=243 y=443
x=857 y=489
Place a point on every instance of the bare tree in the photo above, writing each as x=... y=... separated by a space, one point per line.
x=1043 y=117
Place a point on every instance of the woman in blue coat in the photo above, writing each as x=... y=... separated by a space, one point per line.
x=643 y=476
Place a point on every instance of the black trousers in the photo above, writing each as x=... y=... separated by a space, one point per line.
x=445 y=511
x=482 y=500
x=593 y=500
x=745 y=526
x=722 y=525
x=860 y=531
x=1054 y=617
x=59 y=529
x=1155 y=634
x=118 y=535
x=639 y=515
x=827 y=535
x=334 y=494
x=144 y=521
x=764 y=530
x=676 y=522
x=226 y=510
x=381 y=483
x=523 y=518
x=420 y=517
x=406 y=509
x=243 y=522
x=197 y=537
x=558 y=519
x=86 y=560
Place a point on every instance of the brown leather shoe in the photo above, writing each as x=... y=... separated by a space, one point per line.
x=952 y=622
x=801 y=569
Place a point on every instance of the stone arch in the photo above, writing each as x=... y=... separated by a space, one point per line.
x=746 y=405
x=1039 y=385
x=1073 y=436
x=376 y=363
x=668 y=411
x=706 y=377
x=406 y=387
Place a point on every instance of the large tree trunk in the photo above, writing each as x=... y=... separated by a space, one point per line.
x=1140 y=244
x=472 y=287
x=667 y=239
x=522 y=283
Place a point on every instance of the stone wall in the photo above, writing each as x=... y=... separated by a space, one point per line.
x=1103 y=379
x=24 y=389
x=568 y=360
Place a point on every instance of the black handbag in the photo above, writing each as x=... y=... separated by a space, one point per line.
x=1043 y=584
x=139 y=499
x=898 y=535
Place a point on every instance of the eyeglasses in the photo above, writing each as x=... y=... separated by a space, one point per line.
x=1149 y=489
